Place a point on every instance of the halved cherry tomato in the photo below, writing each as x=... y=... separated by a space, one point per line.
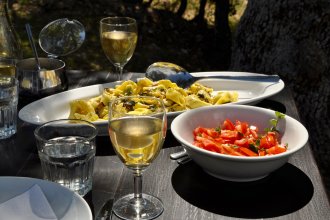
x=228 y=134
x=268 y=141
x=254 y=133
x=210 y=145
x=242 y=142
x=276 y=150
x=228 y=125
x=230 y=150
x=247 y=151
x=241 y=127
x=199 y=130
x=212 y=132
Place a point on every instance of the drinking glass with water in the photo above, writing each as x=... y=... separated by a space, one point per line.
x=8 y=106
x=66 y=150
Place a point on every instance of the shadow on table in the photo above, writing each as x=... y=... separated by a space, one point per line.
x=285 y=191
x=271 y=104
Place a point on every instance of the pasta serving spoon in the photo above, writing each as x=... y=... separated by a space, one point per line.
x=180 y=76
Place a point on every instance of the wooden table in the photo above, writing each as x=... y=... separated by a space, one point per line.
x=295 y=191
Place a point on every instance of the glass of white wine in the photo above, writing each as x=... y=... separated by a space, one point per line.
x=137 y=129
x=7 y=67
x=118 y=39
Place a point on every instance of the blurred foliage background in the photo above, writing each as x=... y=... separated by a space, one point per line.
x=184 y=32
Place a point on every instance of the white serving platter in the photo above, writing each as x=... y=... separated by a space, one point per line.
x=57 y=106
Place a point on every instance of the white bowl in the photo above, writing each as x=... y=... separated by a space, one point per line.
x=237 y=168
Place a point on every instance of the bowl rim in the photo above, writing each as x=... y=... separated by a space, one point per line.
x=190 y=147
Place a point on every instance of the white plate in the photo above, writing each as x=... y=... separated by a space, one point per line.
x=57 y=106
x=66 y=204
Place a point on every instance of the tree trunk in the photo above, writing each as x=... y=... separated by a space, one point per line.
x=292 y=38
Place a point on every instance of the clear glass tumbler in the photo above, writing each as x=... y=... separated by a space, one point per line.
x=8 y=106
x=66 y=150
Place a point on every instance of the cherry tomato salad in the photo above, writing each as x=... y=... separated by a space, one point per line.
x=240 y=139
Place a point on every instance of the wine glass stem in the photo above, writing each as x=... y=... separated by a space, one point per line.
x=137 y=187
x=120 y=68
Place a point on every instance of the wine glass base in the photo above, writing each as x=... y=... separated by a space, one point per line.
x=126 y=208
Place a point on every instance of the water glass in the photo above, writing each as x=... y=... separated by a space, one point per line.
x=66 y=149
x=8 y=106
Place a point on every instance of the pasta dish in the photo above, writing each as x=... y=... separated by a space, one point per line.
x=174 y=97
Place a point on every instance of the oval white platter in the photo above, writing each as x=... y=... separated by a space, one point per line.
x=57 y=106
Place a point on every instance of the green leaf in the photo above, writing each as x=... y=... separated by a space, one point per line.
x=253 y=148
x=274 y=122
x=279 y=115
x=240 y=134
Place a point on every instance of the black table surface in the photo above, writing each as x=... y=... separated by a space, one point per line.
x=295 y=191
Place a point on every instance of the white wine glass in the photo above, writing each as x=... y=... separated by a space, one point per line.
x=137 y=129
x=118 y=39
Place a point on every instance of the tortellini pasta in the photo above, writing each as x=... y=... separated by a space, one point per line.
x=174 y=98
